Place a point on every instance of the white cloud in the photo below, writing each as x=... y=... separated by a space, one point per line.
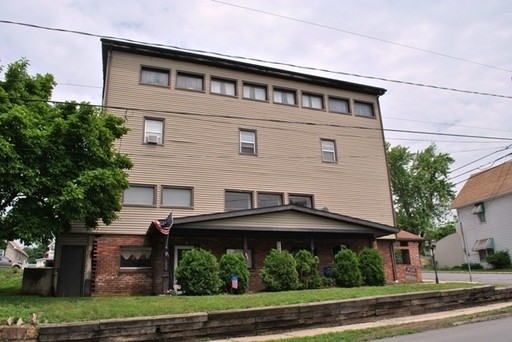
x=474 y=30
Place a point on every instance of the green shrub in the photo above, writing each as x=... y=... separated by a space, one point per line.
x=345 y=269
x=234 y=264
x=198 y=273
x=499 y=259
x=307 y=269
x=279 y=271
x=371 y=267
x=465 y=267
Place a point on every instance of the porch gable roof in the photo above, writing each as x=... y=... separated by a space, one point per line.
x=286 y=218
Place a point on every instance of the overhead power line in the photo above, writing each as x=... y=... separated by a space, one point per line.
x=262 y=61
x=306 y=123
x=362 y=35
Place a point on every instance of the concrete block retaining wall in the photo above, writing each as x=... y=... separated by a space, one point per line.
x=209 y=325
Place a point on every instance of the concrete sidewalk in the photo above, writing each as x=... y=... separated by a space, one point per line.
x=385 y=322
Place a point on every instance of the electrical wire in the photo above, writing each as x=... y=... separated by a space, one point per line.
x=263 y=61
x=362 y=35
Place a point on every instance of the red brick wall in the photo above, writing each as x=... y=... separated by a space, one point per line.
x=109 y=278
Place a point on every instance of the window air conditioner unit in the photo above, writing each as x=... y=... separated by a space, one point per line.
x=152 y=139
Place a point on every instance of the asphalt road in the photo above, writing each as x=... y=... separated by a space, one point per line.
x=484 y=277
x=497 y=330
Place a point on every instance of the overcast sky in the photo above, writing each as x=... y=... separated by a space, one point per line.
x=459 y=44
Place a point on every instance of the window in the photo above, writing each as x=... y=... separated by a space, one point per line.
x=247 y=253
x=302 y=200
x=238 y=200
x=338 y=248
x=284 y=96
x=338 y=105
x=402 y=254
x=189 y=81
x=180 y=197
x=312 y=101
x=269 y=200
x=479 y=211
x=141 y=195
x=255 y=92
x=328 y=151
x=484 y=248
x=247 y=142
x=363 y=109
x=153 y=131
x=223 y=87
x=135 y=257
x=154 y=76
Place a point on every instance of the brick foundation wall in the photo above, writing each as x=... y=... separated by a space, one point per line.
x=110 y=279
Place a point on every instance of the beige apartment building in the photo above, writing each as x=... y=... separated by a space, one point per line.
x=246 y=157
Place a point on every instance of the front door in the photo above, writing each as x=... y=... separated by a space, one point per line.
x=71 y=273
x=178 y=255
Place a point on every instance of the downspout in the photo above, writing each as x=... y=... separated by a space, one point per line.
x=393 y=261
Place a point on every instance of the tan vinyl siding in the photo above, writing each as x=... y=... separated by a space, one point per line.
x=201 y=146
x=292 y=221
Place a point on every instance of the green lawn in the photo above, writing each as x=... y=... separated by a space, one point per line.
x=55 y=310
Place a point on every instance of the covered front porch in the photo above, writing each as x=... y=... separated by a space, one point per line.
x=255 y=232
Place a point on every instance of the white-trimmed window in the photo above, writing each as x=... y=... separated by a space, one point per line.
x=140 y=195
x=363 y=109
x=269 y=199
x=223 y=87
x=177 y=197
x=247 y=141
x=328 y=150
x=284 y=96
x=238 y=200
x=153 y=131
x=479 y=210
x=247 y=254
x=302 y=200
x=190 y=81
x=135 y=257
x=312 y=101
x=255 y=92
x=337 y=105
x=154 y=76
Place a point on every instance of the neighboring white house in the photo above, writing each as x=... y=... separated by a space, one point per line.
x=484 y=209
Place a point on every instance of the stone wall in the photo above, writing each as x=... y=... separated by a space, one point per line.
x=250 y=322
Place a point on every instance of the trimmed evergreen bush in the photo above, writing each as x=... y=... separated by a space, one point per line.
x=345 y=269
x=499 y=259
x=198 y=273
x=234 y=264
x=307 y=269
x=371 y=267
x=279 y=271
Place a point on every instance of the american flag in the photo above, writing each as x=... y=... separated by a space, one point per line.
x=164 y=226
x=234 y=282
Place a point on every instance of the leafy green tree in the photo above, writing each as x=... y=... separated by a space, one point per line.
x=234 y=264
x=345 y=269
x=58 y=163
x=422 y=193
x=279 y=271
x=198 y=273
x=35 y=252
x=371 y=267
x=307 y=270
